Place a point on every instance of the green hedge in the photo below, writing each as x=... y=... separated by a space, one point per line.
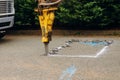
x=73 y=13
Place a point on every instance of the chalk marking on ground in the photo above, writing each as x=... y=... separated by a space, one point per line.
x=101 y=51
x=84 y=56
x=73 y=56
x=68 y=73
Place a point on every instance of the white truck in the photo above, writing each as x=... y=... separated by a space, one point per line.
x=7 y=12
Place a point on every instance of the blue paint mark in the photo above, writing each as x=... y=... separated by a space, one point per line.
x=93 y=43
x=69 y=72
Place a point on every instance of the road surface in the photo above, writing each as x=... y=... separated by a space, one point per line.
x=21 y=59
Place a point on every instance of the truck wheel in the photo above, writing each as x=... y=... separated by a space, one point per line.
x=2 y=34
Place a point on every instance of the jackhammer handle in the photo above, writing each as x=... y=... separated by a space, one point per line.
x=49 y=4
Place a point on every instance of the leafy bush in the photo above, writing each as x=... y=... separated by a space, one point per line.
x=74 y=13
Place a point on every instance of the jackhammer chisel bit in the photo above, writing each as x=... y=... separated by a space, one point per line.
x=46 y=49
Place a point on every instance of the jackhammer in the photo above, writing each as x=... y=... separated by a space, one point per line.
x=46 y=17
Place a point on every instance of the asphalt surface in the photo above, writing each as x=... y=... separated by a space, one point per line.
x=21 y=59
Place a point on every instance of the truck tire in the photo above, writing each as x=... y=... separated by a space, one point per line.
x=2 y=34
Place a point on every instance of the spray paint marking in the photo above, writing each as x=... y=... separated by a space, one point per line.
x=68 y=73
x=101 y=52
x=84 y=56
